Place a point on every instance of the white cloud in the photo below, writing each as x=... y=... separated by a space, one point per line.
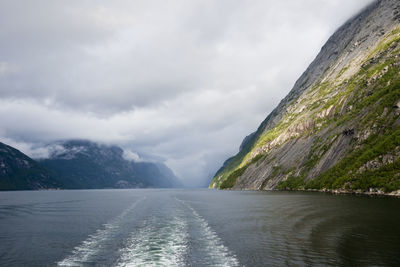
x=131 y=156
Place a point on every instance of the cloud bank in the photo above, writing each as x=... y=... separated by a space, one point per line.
x=177 y=81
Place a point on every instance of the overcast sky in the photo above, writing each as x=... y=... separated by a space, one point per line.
x=181 y=82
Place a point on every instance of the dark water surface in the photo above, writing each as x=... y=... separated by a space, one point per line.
x=196 y=228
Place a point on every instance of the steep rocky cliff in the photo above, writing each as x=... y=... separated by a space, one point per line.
x=19 y=172
x=339 y=127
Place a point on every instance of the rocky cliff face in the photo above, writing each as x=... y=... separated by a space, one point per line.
x=19 y=172
x=84 y=164
x=339 y=127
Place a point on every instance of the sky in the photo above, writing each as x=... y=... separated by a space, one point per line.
x=176 y=81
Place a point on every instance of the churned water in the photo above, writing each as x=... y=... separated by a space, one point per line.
x=150 y=227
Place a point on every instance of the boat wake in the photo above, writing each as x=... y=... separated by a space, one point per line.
x=85 y=253
x=211 y=248
x=157 y=243
x=162 y=233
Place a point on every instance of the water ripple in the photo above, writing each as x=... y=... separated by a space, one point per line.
x=214 y=252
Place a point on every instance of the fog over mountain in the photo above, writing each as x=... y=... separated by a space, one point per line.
x=180 y=82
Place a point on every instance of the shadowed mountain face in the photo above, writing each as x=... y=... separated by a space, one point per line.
x=83 y=164
x=339 y=127
x=80 y=165
x=19 y=172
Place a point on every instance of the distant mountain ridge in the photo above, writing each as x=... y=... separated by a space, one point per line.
x=339 y=127
x=85 y=164
x=20 y=172
x=80 y=164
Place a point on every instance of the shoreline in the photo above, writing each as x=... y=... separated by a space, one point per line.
x=373 y=192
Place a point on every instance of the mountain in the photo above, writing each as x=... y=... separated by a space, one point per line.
x=82 y=164
x=20 y=172
x=339 y=127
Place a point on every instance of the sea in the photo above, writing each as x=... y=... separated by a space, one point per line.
x=197 y=227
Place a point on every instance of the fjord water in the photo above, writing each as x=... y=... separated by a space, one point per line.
x=148 y=227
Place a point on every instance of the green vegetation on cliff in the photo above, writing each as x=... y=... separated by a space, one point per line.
x=346 y=173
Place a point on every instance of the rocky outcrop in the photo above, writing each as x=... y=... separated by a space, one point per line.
x=380 y=161
x=341 y=117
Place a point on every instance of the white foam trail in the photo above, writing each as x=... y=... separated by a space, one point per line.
x=217 y=254
x=88 y=248
x=156 y=244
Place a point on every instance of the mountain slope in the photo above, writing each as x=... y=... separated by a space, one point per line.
x=19 y=172
x=339 y=127
x=83 y=164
